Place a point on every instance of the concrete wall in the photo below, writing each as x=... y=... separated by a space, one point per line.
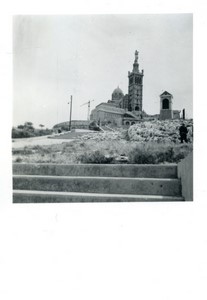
x=176 y=114
x=185 y=173
x=166 y=114
x=74 y=124
x=106 y=116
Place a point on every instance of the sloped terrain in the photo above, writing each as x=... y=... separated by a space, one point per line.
x=159 y=131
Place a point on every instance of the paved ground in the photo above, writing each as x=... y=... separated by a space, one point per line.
x=74 y=134
x=40 y=140
x=49 y=139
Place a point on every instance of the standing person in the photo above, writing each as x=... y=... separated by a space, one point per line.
x=183 y=133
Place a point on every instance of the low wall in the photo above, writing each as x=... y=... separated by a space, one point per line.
x=80 y=124
x=185 y=173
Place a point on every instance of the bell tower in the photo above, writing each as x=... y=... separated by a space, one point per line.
x=166 y=111
x=135 y=90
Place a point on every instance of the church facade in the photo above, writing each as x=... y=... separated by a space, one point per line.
x=128 y=109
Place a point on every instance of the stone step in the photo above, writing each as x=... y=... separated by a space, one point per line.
x=103 y=170
x=25 y=196
x=104 y=185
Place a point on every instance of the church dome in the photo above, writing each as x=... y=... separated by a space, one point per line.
x=117 y=94
x=118 y=91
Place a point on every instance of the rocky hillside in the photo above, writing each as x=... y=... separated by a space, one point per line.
x=147 y=131
x=159 y=131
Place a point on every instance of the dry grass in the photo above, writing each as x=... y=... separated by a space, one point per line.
x=71 y=152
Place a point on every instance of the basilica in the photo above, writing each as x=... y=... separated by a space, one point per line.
x=128 y=109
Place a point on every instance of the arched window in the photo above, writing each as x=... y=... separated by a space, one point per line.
x=136 y=108
x=127 y=123
x=165 y=104
x=130 y=107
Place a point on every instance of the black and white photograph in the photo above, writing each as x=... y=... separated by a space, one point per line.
x=102 y=108
x=103 y=156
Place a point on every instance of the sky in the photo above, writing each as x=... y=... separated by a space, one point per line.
x=88 y=56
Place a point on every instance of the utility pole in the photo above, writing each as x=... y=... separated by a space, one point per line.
x=70 y=114
x=183 y=113
x=69 y=117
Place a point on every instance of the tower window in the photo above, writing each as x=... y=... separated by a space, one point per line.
x=138 y=80
x=131 y=80
x=136 y=108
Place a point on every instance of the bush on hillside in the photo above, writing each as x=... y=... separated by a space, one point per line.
x=140 y=153
x=96 y=157
x=21 y=133
x=41 y=132
x=155 y=154
x=24 y=132
x=94 y=126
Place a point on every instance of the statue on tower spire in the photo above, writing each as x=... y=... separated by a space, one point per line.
x=136 y=56
x=136 y=65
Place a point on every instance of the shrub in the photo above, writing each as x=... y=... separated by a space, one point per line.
x=17 y=133
x=24 y=151
x=23 y=131
x=139 y=155
x=164 y=154
x=94 y=126
x=181 y=151
x=41 y=132
x=18 y=159
x=155 y=154
x=95 y=157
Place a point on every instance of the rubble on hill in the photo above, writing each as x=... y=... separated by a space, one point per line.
x=102 y=136
x=146 y=131
x=159 y=131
